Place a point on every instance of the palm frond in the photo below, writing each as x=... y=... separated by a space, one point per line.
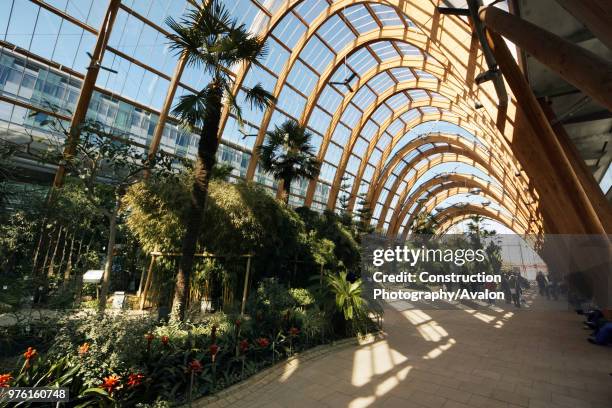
x=259 y=98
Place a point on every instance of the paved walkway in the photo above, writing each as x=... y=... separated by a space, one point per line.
x=454 y=359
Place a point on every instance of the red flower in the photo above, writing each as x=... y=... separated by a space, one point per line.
x=84 y=348
x=238 y=322
x=110 y=383
x=262 y=342
x=244 y=346
x=214 y=349
x=165 y=340
x=134 y=380
x=294 y=331
x=29 y=355
x=195 y=366
x=5 y=379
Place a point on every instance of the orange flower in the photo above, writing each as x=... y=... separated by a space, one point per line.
x=84 y=348
x=110 y=383
x=195 y=366
x=165 y=340
x=134 y=380
x=5 y=379
x=29 y=355
x=262 y=342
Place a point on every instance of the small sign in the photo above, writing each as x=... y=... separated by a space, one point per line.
x=93 y=276
x=118 y=300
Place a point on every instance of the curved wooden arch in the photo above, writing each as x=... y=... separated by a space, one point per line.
x=469 y=149
x=366 y=116
x=425 y=64
x=445 y=192
x=508 y=164
x=411 y=36
x=441 y=87
x=448 y=217
x=449 y=181
x=509 y=185
x=456 y=220
x=531 y=224
x=446 y=154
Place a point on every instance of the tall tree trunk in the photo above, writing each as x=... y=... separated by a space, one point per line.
x=206 y=158
x=108 y=266
x=287 y=190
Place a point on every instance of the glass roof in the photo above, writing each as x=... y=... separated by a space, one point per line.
x=357 y=127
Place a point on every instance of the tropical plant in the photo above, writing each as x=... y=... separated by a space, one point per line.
x=349 y=300
x=208 y=38
x=288 y=155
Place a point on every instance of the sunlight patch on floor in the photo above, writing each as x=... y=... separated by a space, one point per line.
x=290 y=368
x=437 y=352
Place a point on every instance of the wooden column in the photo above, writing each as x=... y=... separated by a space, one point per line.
x=595 y=14
x=578 y=66
x=165 y=110
x=87 y=88
x=539 y=151
x=594 y=192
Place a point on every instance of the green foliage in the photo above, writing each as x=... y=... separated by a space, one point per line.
x=302 y=297
x=118 y=341
x=348 y=296
x=328 y=227
x=288 y=154
x=247 y=220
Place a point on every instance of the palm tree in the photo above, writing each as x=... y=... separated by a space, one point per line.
x=211 y=40
x=288 y=155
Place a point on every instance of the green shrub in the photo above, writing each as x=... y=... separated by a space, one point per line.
x=302 y=297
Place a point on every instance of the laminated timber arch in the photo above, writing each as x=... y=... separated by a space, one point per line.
x=457 y=103
x=459 y=145
x=451 y=154
x=452 y=215
x=509 y=165
x=515 y=126
x=401 y=34
x=442 y=193
x=484 y=129
x=421 y=15
x=437 y=184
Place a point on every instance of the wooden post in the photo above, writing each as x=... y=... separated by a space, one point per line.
x=143 y=296
x=163 y=113
x=594 y=192
x=246 y=285
x=577 y=65
x=595 y=14
x=87 y=88
x=564 y=173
